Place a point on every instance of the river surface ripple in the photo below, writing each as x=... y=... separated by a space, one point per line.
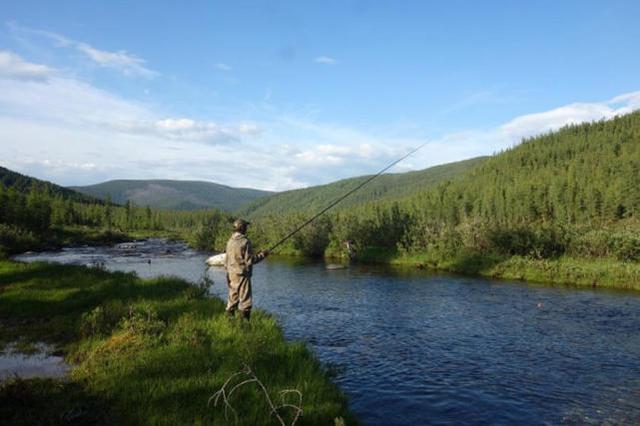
x=413 y=348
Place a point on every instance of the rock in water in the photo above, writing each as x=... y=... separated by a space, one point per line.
x=332 y=266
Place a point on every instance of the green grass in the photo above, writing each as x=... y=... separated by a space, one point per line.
x=596 y=272
x=156 y=350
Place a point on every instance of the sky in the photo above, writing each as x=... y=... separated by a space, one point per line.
x=278 y=95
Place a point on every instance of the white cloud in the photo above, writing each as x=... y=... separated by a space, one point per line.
x=186 y=129
x=69 y=102
x=68 y=131
x=326 y=60
x=533 y=124
x=122 y=61
x=13 y=66
x=223 y=67
x=626 y=103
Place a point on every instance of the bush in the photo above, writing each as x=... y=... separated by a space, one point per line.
x=594 y=243
x=623 y=245
x=313 y=239
x=540 y=243
x=102 y=320
x=15 y=240
x=143 y=320
x=626 y=247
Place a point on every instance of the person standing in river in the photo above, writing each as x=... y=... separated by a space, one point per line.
x=239 y=261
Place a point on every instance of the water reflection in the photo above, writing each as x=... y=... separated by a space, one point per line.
x=40 y=362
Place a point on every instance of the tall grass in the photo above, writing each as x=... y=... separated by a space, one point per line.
x=156 y=350
x=595 y=272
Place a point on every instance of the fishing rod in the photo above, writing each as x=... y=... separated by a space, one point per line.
x=337 y=200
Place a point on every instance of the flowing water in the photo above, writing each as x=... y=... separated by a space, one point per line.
x=413 y=348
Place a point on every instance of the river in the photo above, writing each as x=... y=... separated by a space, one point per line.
x=411 y=347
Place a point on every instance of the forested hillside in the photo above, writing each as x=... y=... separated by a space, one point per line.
x=173 y=194
x=391 y=186
x=36 y=214
x=582 y=174
x=573 y=192
x=24 y=184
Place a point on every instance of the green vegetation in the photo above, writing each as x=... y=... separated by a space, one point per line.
x=39 y=219
x=149 y=352
x=568 y=197
x=601 y=272
x=173 y=194
x=24 y=184
x=51 y=402
x=388 y=187
x=566 y=202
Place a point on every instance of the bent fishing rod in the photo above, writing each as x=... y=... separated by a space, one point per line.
x=339 y=199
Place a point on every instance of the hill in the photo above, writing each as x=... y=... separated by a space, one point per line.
x=173 y=194
x=388 y=187
x=581 y=174
x=24 y=184
x=574 y=192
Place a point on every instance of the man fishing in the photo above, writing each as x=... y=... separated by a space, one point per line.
x=239 y=257
x=239 y=263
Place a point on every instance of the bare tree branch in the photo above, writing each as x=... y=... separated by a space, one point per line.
x=223 y=396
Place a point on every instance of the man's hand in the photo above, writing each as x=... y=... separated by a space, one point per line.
x=265 y=253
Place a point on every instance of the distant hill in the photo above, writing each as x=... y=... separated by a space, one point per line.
x=173 y=194
x=23 y=184
x=386 y=187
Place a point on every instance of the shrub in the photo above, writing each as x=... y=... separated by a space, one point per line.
x=539 y=243
x=626 y=247
x=143 y=319
x=623 y=245
x=102 y=319
x=595 y=243
x=15 y=240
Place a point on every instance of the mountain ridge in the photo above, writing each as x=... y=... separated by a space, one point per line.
x=24 y=183
x=173 y=194
x=389 y=186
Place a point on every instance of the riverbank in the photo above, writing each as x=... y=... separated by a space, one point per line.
x=14 y=241
x=152 y=351
x=564 y=270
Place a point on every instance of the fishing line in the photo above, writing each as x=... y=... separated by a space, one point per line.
x=336 y=201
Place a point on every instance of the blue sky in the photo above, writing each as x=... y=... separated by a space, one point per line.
x=279 y=95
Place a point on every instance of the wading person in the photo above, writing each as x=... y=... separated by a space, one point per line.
x=239 y=263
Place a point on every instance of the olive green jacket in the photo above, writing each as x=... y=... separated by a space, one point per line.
x=240 y=257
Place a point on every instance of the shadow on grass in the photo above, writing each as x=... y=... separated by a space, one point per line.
x=474 y=262
x=46 y=301
x=376 y=255
x=51 y=402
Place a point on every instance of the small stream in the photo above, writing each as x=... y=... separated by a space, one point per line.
x=411 y=348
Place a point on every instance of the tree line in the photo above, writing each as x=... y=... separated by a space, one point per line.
x=573 y=192
x=38 y=217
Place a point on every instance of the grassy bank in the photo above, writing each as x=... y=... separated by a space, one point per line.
x=597 y=272
x=152 y=351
